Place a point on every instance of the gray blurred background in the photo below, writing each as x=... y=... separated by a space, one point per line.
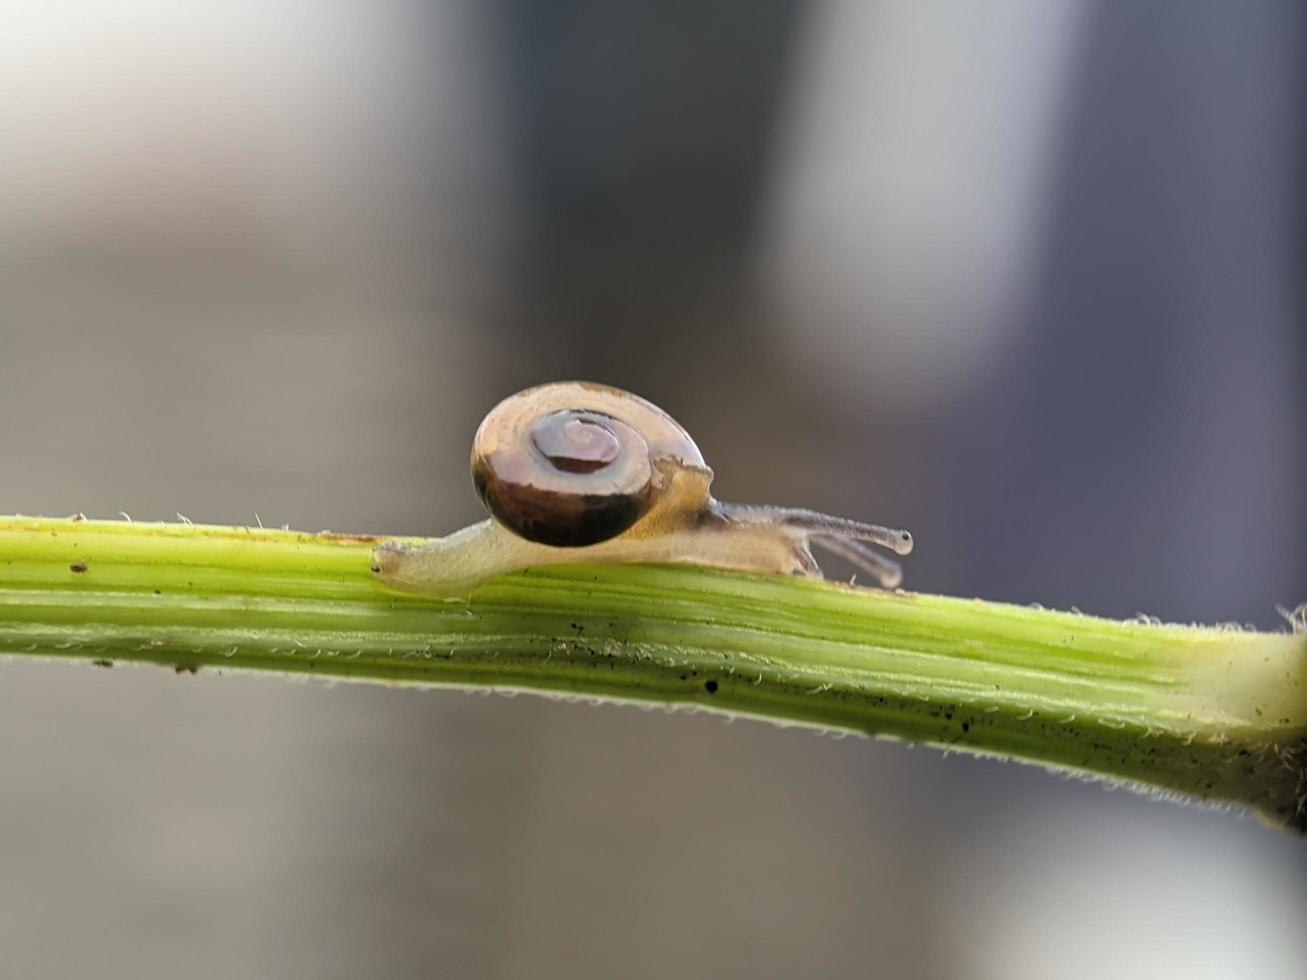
x=1022 y=276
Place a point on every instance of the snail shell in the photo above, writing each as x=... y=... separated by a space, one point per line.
x=573 y=464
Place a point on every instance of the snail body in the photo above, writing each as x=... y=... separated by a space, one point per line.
x=582 y=472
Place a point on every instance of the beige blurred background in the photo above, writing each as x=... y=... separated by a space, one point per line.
x=1023 y=276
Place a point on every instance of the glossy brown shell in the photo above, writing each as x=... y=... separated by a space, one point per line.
x=574 y=463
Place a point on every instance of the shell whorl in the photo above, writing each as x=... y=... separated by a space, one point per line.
x=572 y=464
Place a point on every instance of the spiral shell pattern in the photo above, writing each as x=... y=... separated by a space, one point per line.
x=573 y=464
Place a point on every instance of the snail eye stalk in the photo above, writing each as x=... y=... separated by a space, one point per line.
x=838 y=535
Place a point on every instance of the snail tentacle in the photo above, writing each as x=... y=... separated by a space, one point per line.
x=886 y=571
x=814 y=522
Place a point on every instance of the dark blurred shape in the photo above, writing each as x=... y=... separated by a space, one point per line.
x=641 y=135
x=1162 y=347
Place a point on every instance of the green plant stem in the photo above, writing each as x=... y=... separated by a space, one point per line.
x=1215 y=714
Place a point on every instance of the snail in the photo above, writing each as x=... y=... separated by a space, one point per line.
x=582 y=472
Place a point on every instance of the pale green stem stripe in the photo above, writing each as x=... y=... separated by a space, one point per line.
x=1215 y=714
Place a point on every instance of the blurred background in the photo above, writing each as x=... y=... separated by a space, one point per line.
x=1022 y=276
